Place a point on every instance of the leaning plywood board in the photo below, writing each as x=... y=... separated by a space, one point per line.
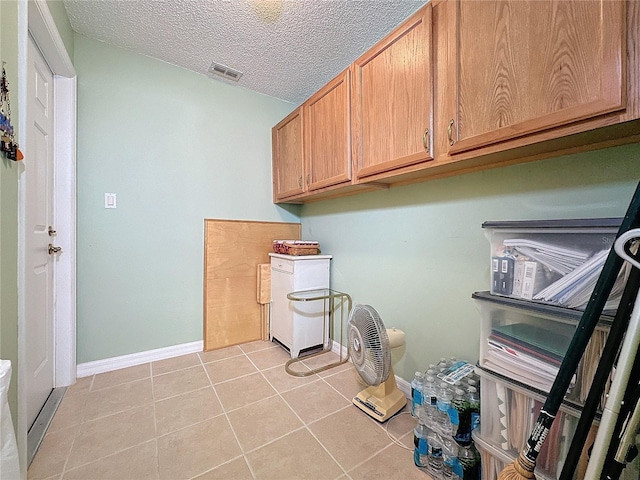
x=232 y=251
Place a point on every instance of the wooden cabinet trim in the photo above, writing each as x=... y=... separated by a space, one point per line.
x=612 y=88
x=598 y=121
x=313 y=180
x=280 y=171
x=363 y=163
x=391 y=165
x=551 y=121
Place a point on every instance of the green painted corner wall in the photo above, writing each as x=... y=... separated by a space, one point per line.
x=9 y=172
x=176 y=148
x=416 y=253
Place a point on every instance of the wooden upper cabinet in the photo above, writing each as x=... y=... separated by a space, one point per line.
x=288 y=156
x=524 y=67
x=392 y=101
x=327 y=130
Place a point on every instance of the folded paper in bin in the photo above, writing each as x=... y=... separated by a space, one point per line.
x=296 y=247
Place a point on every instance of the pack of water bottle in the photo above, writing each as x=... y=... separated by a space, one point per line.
x=446 y=404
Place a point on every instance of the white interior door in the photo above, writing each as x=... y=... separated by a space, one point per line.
x=39 y=234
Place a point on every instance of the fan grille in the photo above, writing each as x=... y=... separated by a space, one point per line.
x=369 y=345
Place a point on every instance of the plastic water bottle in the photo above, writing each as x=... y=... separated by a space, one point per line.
x=469 y=458
x=434 y=459
x=444 y=404
x=451 y=467
x=416 y=394
x=474 y=408
x=420 y=445
x=461 y=417
x=430 y=400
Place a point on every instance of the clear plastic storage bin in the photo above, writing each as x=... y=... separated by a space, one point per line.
x=526 y=342
x=550 y=261
x=508 y=413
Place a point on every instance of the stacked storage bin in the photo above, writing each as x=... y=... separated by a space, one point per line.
x=528 y=317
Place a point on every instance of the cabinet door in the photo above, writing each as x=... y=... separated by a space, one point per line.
x=288 y=156
x=525 y=67
x=392 y=100
x=281 y=321
x=327 y=131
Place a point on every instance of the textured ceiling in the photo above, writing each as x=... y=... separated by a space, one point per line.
x=287 y=49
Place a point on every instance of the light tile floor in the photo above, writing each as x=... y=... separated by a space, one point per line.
x=227 y=414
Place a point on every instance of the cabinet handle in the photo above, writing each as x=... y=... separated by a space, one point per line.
x=300 y=181
x=450 y=132
x=426 y=140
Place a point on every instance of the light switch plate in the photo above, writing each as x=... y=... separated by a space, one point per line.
x=110 y=200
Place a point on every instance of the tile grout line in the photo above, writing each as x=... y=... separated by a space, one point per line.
x=243 y=454
x=218 y=466
x=155 y=419
x=253 y=473
x=228 y=421
x=75 y=436
x=306 y=426
x=154 y=439
x=127 y=409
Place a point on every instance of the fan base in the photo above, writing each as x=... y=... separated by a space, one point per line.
x=378 y=404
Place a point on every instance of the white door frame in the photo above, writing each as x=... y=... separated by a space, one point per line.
x=35 y=19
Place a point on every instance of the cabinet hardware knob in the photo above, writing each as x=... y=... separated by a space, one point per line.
x=426 y=140
x=52 y=232
x=53 y=249
x=450 y=132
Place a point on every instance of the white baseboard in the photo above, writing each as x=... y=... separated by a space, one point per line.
x=338 y=349
x=115 y=363
x=403 y=385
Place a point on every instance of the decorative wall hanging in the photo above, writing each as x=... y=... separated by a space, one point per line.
x=8 y=144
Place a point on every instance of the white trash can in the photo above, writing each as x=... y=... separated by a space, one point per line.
x=9 y=461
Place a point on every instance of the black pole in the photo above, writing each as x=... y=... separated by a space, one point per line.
x=587 y=324
x=607 y=359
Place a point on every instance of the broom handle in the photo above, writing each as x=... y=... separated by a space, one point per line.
x=626 y=440
x=621 y=378
x=587 y=324
x=620 y=450
x=607 y=359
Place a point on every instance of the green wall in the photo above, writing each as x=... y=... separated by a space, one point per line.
x=176 y=148
x=416 y=253
x=9 y=208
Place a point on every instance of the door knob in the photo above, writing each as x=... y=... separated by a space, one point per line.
x=53 y=249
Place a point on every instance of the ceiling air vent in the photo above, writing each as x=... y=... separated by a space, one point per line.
x=224 y=71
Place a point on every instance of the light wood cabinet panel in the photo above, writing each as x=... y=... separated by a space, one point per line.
x=524 y=67
x=327 y=129
x=288 y=156
x=392 y=101
x=232 y=251
x=498 y=82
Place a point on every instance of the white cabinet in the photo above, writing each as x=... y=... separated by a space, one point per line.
x=298 y=325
